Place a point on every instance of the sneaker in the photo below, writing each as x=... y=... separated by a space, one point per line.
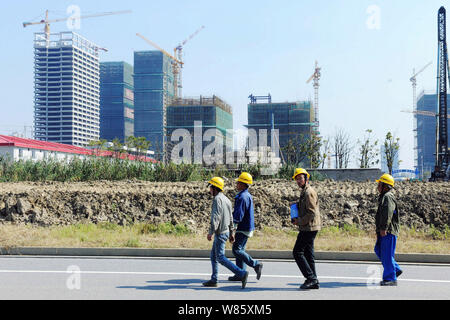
x=310 y=284
x=210 y=283
x=234 y=278
x=258 y=270
x=388 y=283
x=398 y=273
x=244 y=280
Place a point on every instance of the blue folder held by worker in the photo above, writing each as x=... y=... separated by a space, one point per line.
x=294 y=211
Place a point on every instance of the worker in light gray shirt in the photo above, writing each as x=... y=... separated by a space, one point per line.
x=221 y=227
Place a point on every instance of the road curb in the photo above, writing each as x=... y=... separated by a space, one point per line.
x=201 y=253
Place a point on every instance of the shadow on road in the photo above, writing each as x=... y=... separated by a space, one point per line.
x=334 y=285
x=196 y=284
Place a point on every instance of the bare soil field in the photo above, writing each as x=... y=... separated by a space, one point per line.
x=422 y=204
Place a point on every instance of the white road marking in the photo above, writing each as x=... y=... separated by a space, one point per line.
x=203 y=274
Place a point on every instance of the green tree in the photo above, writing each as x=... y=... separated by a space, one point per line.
x=312 y=149
x=325 y=149
x=97 y=145
x=303 y=147
x=116 y=148
x=391 y=148
x=142 y=145
x=368 y=151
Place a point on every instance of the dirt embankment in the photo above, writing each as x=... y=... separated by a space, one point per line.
x=51 y=203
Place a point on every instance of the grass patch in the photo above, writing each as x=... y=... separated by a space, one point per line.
x=165 y=228
x=141 y=235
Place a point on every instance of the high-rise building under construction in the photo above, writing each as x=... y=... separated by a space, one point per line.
x=211 y=115
x=66 y=89
x=153 y=92
x=293 y=120
x=116 y=101
x=425 y=135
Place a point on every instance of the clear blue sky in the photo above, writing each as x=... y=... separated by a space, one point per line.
x=258 y=47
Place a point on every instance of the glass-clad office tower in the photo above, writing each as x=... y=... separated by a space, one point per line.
x=153 y=92
x=116 y=101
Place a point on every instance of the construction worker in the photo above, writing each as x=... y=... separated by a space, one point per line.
x=309 y=224
x=387 y=229
x=244 y=221
x=221 y=228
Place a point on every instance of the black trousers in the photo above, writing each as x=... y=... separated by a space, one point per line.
x=304 y=254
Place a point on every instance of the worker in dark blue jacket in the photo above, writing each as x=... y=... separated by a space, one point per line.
x=243 y=217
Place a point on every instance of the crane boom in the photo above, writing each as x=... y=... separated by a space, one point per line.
x=424 y=113
x=159 y=48
x=420 y=71
x=45 y=21
x=191 y=36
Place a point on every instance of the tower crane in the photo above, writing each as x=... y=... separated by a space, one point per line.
x=424 y=113
x=176 y=64
x=47 y=22
x=413 y=79
x=178 y=53
x=316 y=77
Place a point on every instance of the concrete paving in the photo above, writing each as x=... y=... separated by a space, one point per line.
x=180 y=279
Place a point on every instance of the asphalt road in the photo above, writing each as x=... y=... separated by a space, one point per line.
x=30 y=278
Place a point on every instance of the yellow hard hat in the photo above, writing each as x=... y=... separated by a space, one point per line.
x=246 y=178
x=386 y=178
x=300 y=171
x=217 y=182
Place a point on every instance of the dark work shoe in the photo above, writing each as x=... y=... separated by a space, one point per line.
x=258 y=270
x=210 y=283
x=310 y=284
x=234 y=278
x=385 y=283
x=244 y=280
x=398 y=273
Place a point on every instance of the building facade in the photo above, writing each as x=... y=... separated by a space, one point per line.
x=293 y=120
x=116 y=101
x=153 y=92
x=23 y=149
x=425 y=133
x=67 y=89
x=211 y=116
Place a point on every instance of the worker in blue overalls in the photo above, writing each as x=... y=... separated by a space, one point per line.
x=243 y=218
x=387 y=228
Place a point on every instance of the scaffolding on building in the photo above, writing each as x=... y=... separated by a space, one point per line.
x=203 y=101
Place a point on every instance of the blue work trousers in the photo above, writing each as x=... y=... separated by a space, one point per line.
x=243 y=259
x=385 y=251
x=218 y=256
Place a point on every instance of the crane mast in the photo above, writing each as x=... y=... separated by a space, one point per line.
x=178 y=54
x=441 y=126
x=316 y=77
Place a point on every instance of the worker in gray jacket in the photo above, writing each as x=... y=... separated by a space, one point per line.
x=221 y=227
